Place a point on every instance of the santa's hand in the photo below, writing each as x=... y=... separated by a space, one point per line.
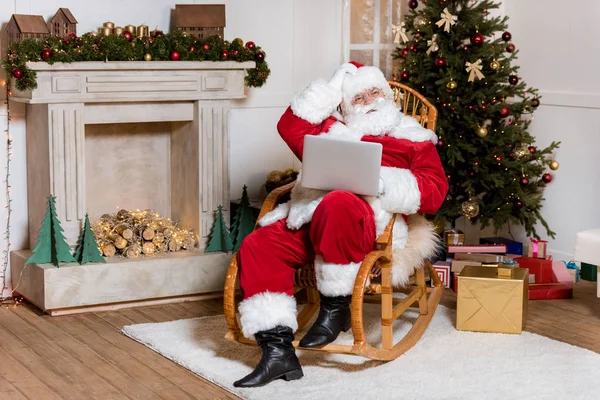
x=381 y=189
x=301 y=213
x=337 y=79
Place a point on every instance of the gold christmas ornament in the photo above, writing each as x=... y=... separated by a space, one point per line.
x=451 y=85
x=421 y=21
x=521 y=152
x=147 y=57
x=554 y=165
x=482 y=131
x=470 y=208
x=494 y=65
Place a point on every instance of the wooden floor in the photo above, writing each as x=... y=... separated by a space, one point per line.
x=85 y=356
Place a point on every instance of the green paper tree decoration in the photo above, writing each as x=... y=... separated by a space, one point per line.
x=52 y=246
x=243 y=221
x=219 y=237
x=87 y=247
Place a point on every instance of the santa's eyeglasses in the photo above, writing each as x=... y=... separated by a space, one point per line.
x=367 y=96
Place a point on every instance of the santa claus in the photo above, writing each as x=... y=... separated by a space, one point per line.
x=336 y=229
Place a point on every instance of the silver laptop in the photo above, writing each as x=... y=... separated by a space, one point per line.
x=334 y=164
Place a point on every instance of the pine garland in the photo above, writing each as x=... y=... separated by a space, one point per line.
x=98 y=47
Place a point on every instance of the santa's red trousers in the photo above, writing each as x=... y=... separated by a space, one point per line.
x=342 y=231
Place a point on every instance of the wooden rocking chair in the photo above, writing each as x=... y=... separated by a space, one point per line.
x=379 y=259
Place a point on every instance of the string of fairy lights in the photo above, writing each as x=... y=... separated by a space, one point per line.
x=8 y=204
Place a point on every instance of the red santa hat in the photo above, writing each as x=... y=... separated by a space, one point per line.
x=367 y=77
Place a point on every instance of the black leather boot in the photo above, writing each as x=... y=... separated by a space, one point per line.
x=334 y=317
x=278 y=360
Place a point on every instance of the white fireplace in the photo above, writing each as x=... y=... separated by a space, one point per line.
x=132 y=135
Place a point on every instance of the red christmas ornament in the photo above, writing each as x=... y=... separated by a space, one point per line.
x=547 y=178
x=250 y=45
x=404 y=76
x=128 y=35
x=191 y=49
x=483 y=105
x=513 y=79
x=404 y=52
x=440 y=143
x=532 y=149
x=259 y=56
x=67 y=42
x=413 y=4
x=174 y=55
x=506 y=36
x=477 y=39
x=206 y=46
x=440 y=62
x=157 y=33
x=519 y=204
x=535 y=103
x=500 y=158
x=236 y=52
x=524 y=181
x=505 y=112
x=72 y=35
x=225 y=55
x=510 y=48
x=46 y=53
x=17 y=73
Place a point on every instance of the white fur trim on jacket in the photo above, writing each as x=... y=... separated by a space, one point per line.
x=316 y=102
x=335 y=279
x=401 y=191
x=409 y=128
x=303 y=203
x=279 y=212
x=422 y=244
x=267 y=310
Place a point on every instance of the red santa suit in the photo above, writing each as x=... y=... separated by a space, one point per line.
x=335 y=230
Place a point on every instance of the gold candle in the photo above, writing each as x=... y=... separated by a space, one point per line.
x=106 y=31
x=118 y=31
x=142 y=31
x=130 y=29
x=108 y=25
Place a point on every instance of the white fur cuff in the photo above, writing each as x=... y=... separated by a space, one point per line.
x=317 y=102
x=267 y=310
x=401 y=191
x=335 y=279
x=278 y=213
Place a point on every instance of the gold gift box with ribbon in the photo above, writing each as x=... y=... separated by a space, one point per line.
x=454 y=237
x=487 y=302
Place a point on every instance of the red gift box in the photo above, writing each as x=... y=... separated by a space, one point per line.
x=443 y=270
x=550 y=291
x=558 y=283
x=540 y=270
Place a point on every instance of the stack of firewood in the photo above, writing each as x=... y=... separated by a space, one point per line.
x=133 y=233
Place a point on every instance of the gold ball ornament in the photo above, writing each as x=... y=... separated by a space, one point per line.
x=494 y=65
x=421 y=21
x=520 y=153
x=482 y=131
x=147 y=57
x=554 y=165
x=452 y=85
x=470 y=209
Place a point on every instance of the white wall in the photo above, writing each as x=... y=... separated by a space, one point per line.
x=296 y=51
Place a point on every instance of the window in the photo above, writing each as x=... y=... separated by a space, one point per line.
x=57 y=28
x=368 y=35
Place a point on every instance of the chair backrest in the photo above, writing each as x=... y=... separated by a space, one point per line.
x=415 y=104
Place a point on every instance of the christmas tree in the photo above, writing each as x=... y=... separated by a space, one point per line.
x=460 y=58
x=219 y=237
x=51 y=246
x=243 y=222
x=87 y=248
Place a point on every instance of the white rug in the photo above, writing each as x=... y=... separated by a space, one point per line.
x=445 y=364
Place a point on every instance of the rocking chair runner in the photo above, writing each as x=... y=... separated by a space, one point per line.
x=380 y=259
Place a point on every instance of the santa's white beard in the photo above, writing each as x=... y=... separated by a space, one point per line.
x=380 y=117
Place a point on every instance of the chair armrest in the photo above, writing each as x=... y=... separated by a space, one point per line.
x=273 y=197
x=386 y=236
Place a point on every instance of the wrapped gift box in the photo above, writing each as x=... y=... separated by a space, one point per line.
x=560 y=287
x=453 y=236
x=573 y=270
x=443 y=270
x=540 y=271
x=489 y=303
x=512 y=246
x=537 y=248
x=589 y=272
x=481 y=257
x=477 y=248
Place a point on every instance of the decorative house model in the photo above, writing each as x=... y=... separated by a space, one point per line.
x=200 y=20
x=23 y=26
x=63 y=23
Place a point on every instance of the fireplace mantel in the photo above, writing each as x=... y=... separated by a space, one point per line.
x=194 y=95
